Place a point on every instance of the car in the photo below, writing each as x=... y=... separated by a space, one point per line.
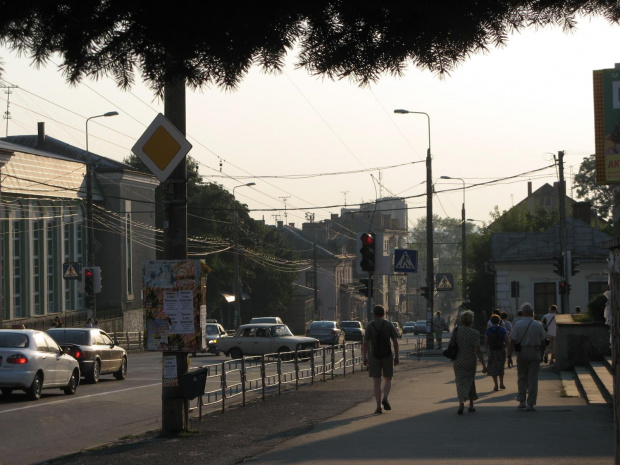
x=408 y=327
x=267 y=319
x=327 y=332
x=353 y=330
x=420 y=327
x=94 y=350
x=214 y=332
x=32 y=361
x=262 y=339
x=399 y=331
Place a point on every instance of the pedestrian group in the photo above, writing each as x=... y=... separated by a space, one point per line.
x=531 y=341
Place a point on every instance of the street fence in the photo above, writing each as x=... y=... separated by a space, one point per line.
x=270 y=374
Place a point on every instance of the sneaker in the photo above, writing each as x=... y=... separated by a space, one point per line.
x=386 y=404
x=521 y=405
x=378 y=410
x=530 y=408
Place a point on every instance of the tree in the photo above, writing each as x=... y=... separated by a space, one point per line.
x=602 y=196
x=216 y=43
x=210 y=209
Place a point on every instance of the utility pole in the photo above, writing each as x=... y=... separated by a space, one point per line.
x=175 y=407
x=7 y=113
x=317 y=313
x=564 y=298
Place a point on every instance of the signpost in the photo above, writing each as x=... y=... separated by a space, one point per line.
x=444 y=281
x=406 y=260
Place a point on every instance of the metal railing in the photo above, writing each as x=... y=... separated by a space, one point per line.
x=258 y=376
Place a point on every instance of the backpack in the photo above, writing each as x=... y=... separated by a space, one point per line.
x=381 y=344
x=496 y=340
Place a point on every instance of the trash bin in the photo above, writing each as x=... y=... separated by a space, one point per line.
x=193 y=383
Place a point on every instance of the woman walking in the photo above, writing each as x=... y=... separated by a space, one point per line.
x=495 y=341
x=468 y=341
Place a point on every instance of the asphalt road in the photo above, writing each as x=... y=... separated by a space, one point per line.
x=57 y=424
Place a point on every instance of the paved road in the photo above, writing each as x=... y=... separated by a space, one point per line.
x=57 y=424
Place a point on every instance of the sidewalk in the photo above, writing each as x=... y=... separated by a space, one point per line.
x=332 y=422
x=423 y=427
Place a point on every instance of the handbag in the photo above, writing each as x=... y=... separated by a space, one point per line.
x=453 y=349
x=518 y=344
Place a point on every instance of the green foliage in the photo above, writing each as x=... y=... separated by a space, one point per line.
x=217 y=43
x=596 y=308
x=210 y=210
x=600 y=195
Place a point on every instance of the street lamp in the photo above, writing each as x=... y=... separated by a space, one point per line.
x=464 y=242
x=236 y=285
x=430 y=281
x=89 y=194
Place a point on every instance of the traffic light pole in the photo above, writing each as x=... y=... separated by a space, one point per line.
x=430 y=280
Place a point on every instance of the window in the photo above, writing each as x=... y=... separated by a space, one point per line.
x=37 y=261
x=16 y=236
x=545 y=295
x=128 y=249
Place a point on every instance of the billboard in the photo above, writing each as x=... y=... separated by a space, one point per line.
x=606 y=85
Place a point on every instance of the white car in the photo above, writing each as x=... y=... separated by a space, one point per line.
x=264 y=338
x=31 y=361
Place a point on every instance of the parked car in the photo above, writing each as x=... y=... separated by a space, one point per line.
x=420 y=327
x=327 y=332
x=399 y=331
x=267 y=319
x=408 y=327
x=264 y=338
x=214 y=332
x=353 y=330
x=31 y=361
x=95 y=351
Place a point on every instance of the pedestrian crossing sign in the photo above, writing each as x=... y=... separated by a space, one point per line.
x=71 y=270
x=406 y=261
x=445 y=281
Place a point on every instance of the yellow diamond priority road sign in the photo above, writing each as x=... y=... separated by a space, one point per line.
x=161 y=147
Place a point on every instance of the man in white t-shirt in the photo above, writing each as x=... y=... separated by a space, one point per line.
x=550 y=326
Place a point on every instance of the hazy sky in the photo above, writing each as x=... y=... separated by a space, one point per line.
x=312 y=143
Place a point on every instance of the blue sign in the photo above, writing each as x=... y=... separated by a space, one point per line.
x=405 y=260
x=444 y=281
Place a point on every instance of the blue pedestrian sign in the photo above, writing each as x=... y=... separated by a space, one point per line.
x=405 y=260
x=444 y=281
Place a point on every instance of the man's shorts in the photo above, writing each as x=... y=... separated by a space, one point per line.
x=377 y=366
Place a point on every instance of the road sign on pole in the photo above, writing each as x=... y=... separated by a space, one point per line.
x=406 y=261
x=445 y=281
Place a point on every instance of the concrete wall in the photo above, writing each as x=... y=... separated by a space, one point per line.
x=579 y=343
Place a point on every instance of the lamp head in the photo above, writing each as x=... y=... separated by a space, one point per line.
x=111 y=113
x=401 y=111
x=445 y=177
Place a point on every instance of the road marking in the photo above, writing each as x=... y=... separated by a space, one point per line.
x=64 y=401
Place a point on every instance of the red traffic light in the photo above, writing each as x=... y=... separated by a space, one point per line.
x=88 y=273
x=367 y=239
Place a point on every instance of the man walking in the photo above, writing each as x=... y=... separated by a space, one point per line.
x=550 y=326
x=438 y=325
x=527 y=338
x=379 y=359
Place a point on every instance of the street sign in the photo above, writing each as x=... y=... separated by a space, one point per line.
x=405 y=260
x=445 y=281
x=162 y=147
x=71 y=270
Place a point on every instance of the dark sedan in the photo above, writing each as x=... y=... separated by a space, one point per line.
x=353 y=330
x=94 y=350
x=327 y=332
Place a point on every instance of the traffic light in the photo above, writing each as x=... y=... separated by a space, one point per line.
x=564 y=288
x=424 y=292
x=366 y=291
x=88 y=278
x=367 y=252
x=91 y=280
x=573 y=266
x=558 y=265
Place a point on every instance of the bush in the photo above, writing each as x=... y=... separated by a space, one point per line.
x=596 y=307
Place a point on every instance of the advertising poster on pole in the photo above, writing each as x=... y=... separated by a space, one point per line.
x=172 y=305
